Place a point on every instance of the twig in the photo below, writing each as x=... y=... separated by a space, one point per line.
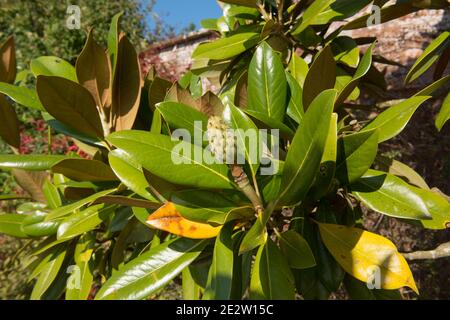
x=241 y=179
x=441 y=251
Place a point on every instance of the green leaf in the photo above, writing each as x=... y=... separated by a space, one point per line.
x=321 y=76
x=181 y=116
x=49 y=268
x=94 y=71
x=83 y=221
x=444 y=114
x=70 y=208
x=267 y=83
x=84 y=170
x=295 y=107
x=325 y=176
x=209 y=207
x=70 y=103
x=81 y=279
x=296 y=250
x=339 y=10
x=356 y=153
x=439 y=208
x=346 y=51
x=22 y=95
x=392 y=121
x=271 y=277
x=400 y=169
x=390 y=195
x=264 y=121
x=298 y=68
x=245 y=131
x=310 y=15
x=113 y=40
x=429 y=56
x=363 y=68
x=305 y=153
x=130 y=173
x=126 y=86
x=151 y=270
x=34 y=225
x=32 y=162
x=428 y=90
x=52 y=195
x=227 y=47
x=220 y=274
x=53 y=66
x=157 y=153
x=9 y=130
x=10 y=224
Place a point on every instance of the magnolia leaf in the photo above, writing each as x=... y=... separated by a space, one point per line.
x=306 y=151
x=296 y=250
x=174 y=161
x=220 y=275
x=130 y=173
x=356 y=153
x=227 y=47
x=10 y=224
x=321 y=76
x=444 y=114
x=167 y=218
x=151 y=270
x=390 y=195
x=271 y=277
x=70 y=103
x=392 y=121
x=267 y=83
x=94 y=71
x=84 y=170
x=9 y=130
x=364 y=255
x=53 y=66
x=8 y=61
x=126 y=88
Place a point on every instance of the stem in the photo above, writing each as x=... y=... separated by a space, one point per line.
x=241 y=179
x=49 y=140
x=441 y=251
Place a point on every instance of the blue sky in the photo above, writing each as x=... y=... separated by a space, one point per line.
x=180 y=13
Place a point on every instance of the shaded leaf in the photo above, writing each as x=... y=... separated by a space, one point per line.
x=93 y=70
x=70 y=103
x=296 y=250
x=321 y=76
x=271 y=277
x=84 y=170
x=126 y=87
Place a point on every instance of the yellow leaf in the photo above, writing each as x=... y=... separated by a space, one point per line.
x=167 y=218
x=360 y=253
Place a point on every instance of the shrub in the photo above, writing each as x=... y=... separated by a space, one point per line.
x=264 y=202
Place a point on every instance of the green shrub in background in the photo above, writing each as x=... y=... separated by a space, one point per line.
x=127 y=219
